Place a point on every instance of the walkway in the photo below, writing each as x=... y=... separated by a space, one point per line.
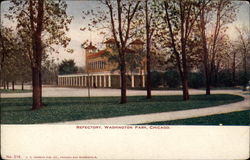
x=167 y=116
x=98 y=92
x=144 y=118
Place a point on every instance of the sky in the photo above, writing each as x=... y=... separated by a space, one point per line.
x=75 y=8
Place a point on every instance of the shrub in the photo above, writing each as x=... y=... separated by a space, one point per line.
x=196 y=80
x=172 y=79
x=156 y=79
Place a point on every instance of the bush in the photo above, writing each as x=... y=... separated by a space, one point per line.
x=196 y=80
x=225 y=79
x=156 y=79
x=172 y=79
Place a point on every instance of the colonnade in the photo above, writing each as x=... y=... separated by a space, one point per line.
x=96 y=81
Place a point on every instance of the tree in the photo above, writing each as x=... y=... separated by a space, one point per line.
x=150 y=20
x=117 y=16
x=125 y=15
x=67 y=67
x=244 y=48
x=179 y=18
x=14 y=64
x=7 y=48
x=49 y=72
x=41 y=24
x=223 y=13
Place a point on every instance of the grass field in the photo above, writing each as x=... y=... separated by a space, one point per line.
x=18 y=110
x=14 y=91
x=235 y=118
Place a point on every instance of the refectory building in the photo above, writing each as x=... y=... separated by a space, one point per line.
x=103 y=73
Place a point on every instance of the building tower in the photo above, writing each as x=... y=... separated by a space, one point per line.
x=90 y=49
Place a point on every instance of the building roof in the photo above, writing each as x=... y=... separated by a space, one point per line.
x=137 y=42
x=110 y=41
x=90 y=46
x=97 y=54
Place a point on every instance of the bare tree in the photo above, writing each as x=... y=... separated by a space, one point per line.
x=180 y=18
x=244 y=48
x=124 y=16
x=223 y=13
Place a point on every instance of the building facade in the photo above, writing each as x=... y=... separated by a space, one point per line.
x=101 y=72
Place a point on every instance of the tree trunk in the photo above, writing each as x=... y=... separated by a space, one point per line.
x=148 y=53
x=7 y=83
x=205 y=50
x=245 y=70
x=36 y=89
x=234 y=77
x=4 y=84
x=208 y=84
x=40 y=85
x=22 y=86
x=123 y=81
x=37 y=51
x=13 y=85
x=185 y=86
x=185 y=72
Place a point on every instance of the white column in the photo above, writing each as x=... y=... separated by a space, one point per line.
x=132 y=81
x=100 y=81
x=79 y=81
x=104 y=81
x=82 y=81
x=92 y=80
x=85 y=78
x=109 y=80
x=58 y=80
x=143 y=81
x=96 y=81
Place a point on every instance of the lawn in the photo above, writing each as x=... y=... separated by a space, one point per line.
x=14 y=91
x=18 y=110
x=234 y=118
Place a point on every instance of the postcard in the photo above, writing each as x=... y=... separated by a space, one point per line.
x=116 y=79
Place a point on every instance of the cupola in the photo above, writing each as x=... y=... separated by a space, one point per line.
x=90 y=48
